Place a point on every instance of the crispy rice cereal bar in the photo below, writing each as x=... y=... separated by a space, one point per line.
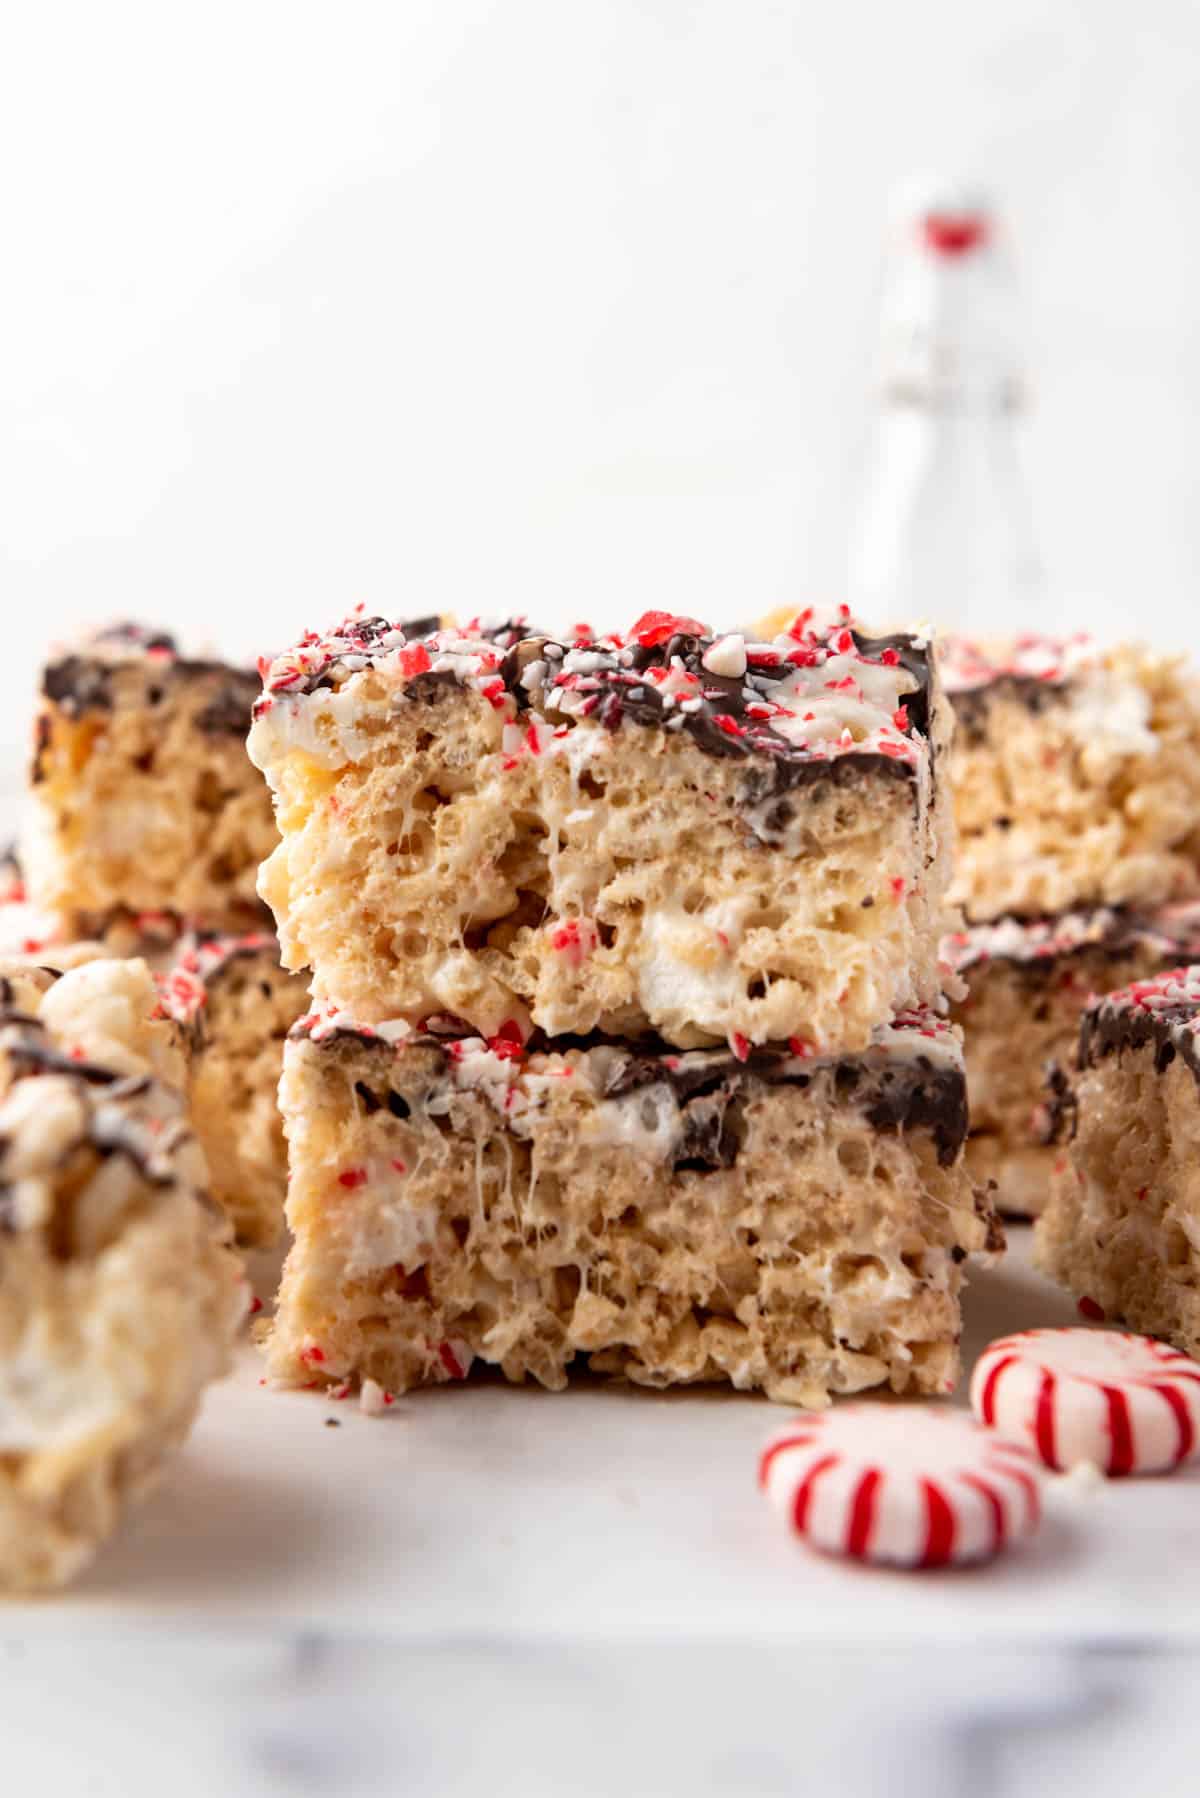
x=236 y=1005
x=1076 y=775
x=712 y=839
x=144 y=800
x=785 y=1223
x=119 y=1296
x=1122 y=1229
x=1028 y=986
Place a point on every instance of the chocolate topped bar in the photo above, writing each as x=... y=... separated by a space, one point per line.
x=144 y=800
x=1076 y=774
x=1029 y=981
x=788 y=1222
x=663 y=831
x=1122 y=1229
x=121 y=1295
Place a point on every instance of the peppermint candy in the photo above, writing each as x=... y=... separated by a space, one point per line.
x=1125 y=1403
x=902 y=1485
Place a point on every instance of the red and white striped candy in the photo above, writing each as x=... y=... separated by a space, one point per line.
x=1126 y=1403
x=910 y=1485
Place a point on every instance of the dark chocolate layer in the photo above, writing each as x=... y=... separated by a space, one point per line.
x=1108 y=1029
x=712 y=1086
x=79 y=682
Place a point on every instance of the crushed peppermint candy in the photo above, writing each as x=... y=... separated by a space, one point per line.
x=967 y=665
x=820 y=690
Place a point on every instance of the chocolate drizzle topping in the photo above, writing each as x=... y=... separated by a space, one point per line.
x=623 y=697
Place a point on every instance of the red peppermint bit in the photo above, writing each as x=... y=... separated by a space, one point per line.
x=494 y=692
x=451 y=1362
x=954 y=234
x=255 y=1305
x=897 y=885
x=1141 y=1192
x=900 y=717
x=723 y=939
x=763 y=658
x=508 y=1043
x=353 y=1176
x=800 y=1045
x=729 y=725
x=531 y=740
x=653 y=628
x=805 y=658
x=890 y=658
x=573 y=940
x=401 y=1167
x=843 y=643
x=740 y=1046
x=1091 y=1310
x=800 y=623
x=389 y=1398
x=760 y=711
x=32 y=945
x=897 y=751
x=847 y=684
x=313 y=1355
x=264 y=667
x=510 y=761
x=413 y=660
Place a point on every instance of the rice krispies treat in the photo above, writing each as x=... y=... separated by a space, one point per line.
x=785 y=1223
x=703 y=838
x=236 y=1006
x=119 y=1294
x=143 y=797
x=1076 y=774
x=1122 y=1229
x=1029 y=983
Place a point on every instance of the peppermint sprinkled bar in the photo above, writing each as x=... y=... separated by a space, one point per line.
x=785 y=1223
x=119 y=1296
x=1028 y=984
x=707 y=838
x=1076 y=775
x=236 y=1005
x=144 y=800
x=1122 y=1229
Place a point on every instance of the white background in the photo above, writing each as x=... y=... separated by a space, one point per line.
x=559 y=306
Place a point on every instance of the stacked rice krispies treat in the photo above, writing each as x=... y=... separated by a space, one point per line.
x=1076 y=774
x=626 y=1047
x=148 y=827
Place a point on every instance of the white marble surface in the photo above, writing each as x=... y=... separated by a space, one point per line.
x=494 y=1590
